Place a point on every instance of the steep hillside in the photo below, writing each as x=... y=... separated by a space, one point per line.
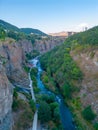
x=89 y=37
x=9 y=27
x=74 y=68
x=33 y=31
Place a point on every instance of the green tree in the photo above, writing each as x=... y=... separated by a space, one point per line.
x=57 y=114
x=53 y=105
x=44 y=112
x=67 y=91
x=96 y=126
x=32 y=105
x=45 y=78
x=49 y=99
x=88 y=114
x=2 y=34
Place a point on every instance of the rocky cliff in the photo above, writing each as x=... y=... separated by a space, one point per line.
x=14 y=56
x=88 y=62
x=47 y=44
x=5 y=100
x=12 y=60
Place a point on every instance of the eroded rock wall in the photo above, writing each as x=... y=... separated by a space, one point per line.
x=12 y=58
x=6 y=98
x=45 y=45
x=14 y=55
x=88 y=62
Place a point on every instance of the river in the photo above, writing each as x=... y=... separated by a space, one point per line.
x=65 y=114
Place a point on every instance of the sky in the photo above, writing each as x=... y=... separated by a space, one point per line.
x=50 y=15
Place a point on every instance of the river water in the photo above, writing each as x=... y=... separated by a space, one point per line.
x=65 y=114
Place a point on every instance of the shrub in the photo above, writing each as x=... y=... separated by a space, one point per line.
x=67 y=91
x=26 y=68
x=96 y=126
x=88 y=114
x=44 y=112
x=32 y=105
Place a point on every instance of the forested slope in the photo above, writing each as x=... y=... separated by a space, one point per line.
x=63 y=71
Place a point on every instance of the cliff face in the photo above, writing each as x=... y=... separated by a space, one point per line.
x=45 y=45
x=14 y=54
x=88 y=62
x=12 y=58
x=5 y=100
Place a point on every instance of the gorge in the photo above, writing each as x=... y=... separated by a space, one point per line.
x=12 y=73
x=70 y=69
x=66 y=116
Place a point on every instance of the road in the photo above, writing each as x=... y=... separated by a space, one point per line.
x=34 y=127
x=34 y=124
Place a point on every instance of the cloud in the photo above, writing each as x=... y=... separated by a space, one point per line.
x=82 y=26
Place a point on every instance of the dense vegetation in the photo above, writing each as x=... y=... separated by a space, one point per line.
x=88 y=114
x=48 y=112
x=8 y=26
x=49 y=82
x=10 y=31
x=18 y=35
x=88 y=37
x=33 y=74
x=48 y=108
x=65 y=74
x=62 y=73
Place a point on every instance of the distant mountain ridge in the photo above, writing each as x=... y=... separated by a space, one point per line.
x=33 y=31
x=9 y=27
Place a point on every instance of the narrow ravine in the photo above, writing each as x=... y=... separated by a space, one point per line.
x=66 y=116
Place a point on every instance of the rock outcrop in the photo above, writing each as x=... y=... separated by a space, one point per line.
x=45 y=45
x=12 y=58
x=88 y=62
x=14 y=55
x=5 y=100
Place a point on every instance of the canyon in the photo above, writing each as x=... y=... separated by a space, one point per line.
x=76 y=61
x=12 y=62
